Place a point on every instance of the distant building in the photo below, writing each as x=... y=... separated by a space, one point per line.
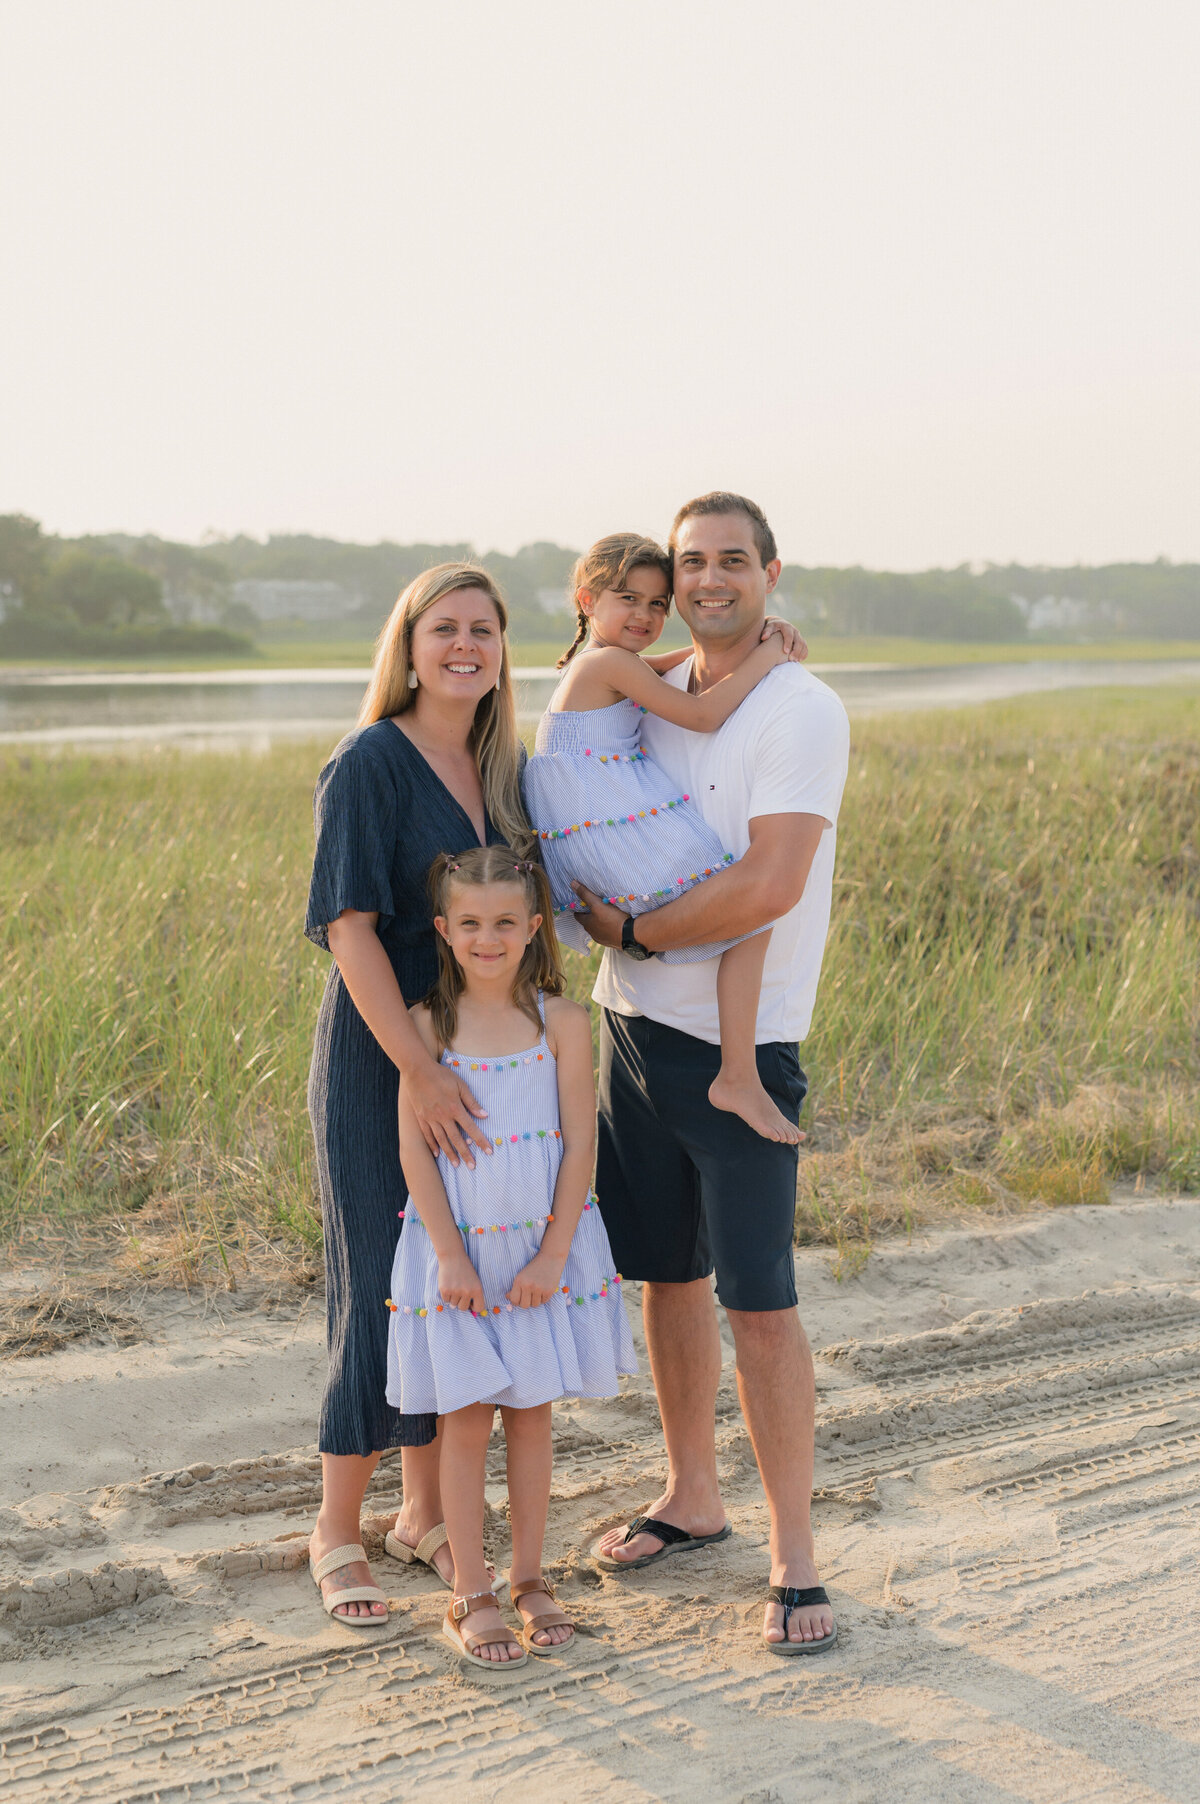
x=280 y=599
x=192 y=607
x=1063 y=614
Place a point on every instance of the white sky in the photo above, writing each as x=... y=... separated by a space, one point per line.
x=922 y=276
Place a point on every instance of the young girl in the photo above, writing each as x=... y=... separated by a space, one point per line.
x=503 y=1288
x=608 y=817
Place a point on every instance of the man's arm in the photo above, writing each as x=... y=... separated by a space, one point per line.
x=758 y=889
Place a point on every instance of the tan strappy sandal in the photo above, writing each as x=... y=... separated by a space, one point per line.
x=422 y=1554
x=368 y=1594
x=465 y=1643
x=548 y=1619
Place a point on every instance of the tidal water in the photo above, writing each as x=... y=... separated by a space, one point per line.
x=253 y=708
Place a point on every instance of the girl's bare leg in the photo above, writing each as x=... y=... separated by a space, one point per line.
x=344 y=1478
x=527 y=1435
x=465 y=1434
x=737 y=1087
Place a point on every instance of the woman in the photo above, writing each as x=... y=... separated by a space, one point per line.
x=434 y=766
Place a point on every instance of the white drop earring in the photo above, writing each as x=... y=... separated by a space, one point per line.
x=412 y=679
x=497 y=682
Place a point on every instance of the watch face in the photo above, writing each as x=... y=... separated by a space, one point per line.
x=631 y=945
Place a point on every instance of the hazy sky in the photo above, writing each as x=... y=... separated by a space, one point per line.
x=922 y=276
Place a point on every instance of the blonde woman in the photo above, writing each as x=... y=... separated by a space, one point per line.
x=433 y=766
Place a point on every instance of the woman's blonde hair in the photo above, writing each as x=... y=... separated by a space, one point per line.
x=540 y=967
x=609 y=565
x=493 y=738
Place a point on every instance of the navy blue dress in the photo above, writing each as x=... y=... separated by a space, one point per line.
x=382 y=816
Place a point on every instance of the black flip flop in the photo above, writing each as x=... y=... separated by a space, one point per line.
x=793 y=1597
x=675 y=1540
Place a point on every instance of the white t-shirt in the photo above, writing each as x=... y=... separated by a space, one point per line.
x=784 y=751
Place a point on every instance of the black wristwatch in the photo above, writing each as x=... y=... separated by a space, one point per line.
x=632 y=945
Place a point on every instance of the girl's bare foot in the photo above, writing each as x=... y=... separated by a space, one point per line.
x=748 y=1099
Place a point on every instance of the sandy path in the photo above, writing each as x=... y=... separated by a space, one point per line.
x=1008 y=1451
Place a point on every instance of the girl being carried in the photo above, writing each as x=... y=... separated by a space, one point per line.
x=608 y=817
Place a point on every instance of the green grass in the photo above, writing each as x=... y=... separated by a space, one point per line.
x=1008 y=1013
x=293 y=654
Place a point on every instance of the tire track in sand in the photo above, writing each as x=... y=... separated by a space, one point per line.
x=997 y=1500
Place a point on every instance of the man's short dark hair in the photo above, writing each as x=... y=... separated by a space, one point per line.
x=721 y=501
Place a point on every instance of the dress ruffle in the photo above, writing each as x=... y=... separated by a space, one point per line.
x=577 y=1344
x=608 y=817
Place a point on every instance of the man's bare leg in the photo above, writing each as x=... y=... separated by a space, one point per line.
x=775 y=1385
x=685 y=1362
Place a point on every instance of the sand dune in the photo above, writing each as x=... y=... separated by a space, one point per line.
x=1008 y=1450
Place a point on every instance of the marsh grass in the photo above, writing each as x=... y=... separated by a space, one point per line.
x=1009 y=1011
x=1010 y=1006
x=158 y=1002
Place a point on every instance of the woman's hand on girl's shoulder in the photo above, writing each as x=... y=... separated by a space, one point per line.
x=444 y=1107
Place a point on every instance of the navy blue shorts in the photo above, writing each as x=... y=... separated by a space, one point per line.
x=686 y=1189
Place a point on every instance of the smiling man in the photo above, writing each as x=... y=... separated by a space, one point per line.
x=686 y=1189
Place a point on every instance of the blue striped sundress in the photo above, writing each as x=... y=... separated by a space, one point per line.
x=607 y=816
x=575 y=1345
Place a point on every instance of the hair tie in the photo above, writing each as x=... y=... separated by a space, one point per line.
x=523 y=864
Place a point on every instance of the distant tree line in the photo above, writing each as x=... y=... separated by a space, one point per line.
x=117 y=592
x=105 y=596
x=1001 y=602
x=375 y=574
x=937 y=604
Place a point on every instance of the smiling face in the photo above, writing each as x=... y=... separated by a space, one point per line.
x=721 y=585
x=633 y=617
x=487 y=926
x=457 y=645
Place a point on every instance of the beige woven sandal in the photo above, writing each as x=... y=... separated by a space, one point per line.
x=369 y=1594
x=422 y=1554
x=465 y=1643
x=548 y=1619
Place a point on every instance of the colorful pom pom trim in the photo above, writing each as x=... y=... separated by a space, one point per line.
x=533 y=1057
x=658 y=895
x=606 y=1289
x=617 y=820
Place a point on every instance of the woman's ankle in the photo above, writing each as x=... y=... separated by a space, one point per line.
x=333 y=1532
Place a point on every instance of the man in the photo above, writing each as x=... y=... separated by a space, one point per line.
x=686 y=1189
